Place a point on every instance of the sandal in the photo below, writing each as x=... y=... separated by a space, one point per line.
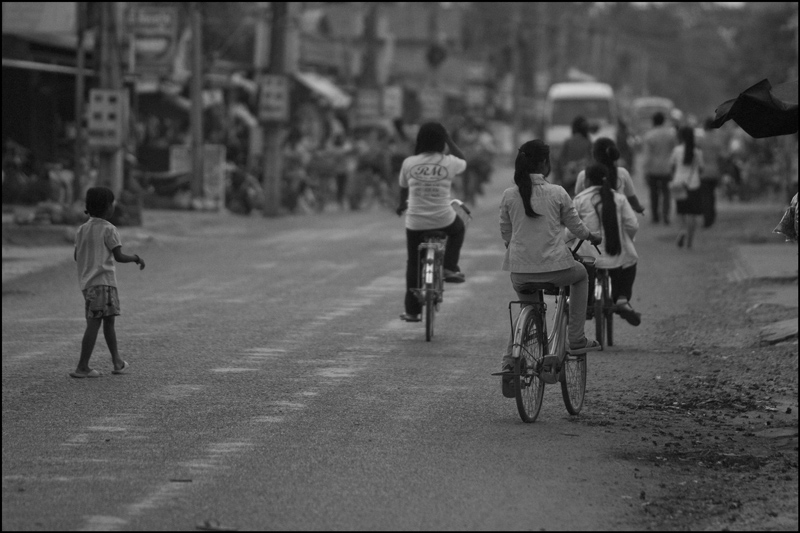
x=585 y=346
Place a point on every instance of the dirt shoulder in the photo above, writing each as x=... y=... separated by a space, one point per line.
x=716 y=435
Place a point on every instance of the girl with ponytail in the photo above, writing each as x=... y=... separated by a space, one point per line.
x=605 y=210
x=606 y=153
x=533 y=216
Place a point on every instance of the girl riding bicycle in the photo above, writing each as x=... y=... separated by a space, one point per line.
x=425 y=181
x=605 y=210
x=533 y=216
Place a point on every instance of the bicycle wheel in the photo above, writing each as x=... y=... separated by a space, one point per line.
x=430 y=312
x=599 y=309
x=529 y=347
x=608 y=310
x=573 y=382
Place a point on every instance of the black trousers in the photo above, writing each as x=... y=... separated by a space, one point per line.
x=621 y=283
x=659 y=196
x=455 y=239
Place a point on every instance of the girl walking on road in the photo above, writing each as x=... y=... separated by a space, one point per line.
x=687 y=167
x=97 y=246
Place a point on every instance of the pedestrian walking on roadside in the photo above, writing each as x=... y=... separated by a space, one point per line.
x=658 y=145
x=97 y=246
x=426 y=179
x=575 y=155
x=533 y=216
x=687 y=167
x=606 y=153
x=714 y=153
x=602 y=209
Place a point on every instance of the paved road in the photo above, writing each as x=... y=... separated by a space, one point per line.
x=273 y=387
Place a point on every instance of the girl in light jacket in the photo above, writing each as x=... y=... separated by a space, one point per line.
x=533 y=216
x=605 y=210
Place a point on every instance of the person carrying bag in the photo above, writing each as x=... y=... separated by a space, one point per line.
x=687 y=167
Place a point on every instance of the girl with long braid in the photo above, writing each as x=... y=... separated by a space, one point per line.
x=607 y=211
x=533 y=216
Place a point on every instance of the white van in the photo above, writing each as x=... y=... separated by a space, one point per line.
x=566 y=101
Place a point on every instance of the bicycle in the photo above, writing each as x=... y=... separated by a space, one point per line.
x=431 y=273
x=603 y=309
x=541 y=359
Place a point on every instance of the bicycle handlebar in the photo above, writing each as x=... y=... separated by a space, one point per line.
x=580 y=242
x=462 y=205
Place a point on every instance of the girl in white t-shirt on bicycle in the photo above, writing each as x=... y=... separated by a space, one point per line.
x=425 y=182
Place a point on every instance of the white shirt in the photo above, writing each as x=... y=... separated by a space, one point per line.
x=429 y=177
x=589 y=207
x=688 y=174
x=94 y=243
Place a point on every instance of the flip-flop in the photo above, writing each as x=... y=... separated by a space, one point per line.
x=91 y=374
x=590 y=345
x=125 y=367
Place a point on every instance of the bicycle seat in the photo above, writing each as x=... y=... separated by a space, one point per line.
x=434 y=235
x=532 y=288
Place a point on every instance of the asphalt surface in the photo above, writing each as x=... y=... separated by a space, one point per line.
x=273 y=387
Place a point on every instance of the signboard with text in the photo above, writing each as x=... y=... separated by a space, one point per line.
x=273 y=98
x=180 y=160
x=155 y=37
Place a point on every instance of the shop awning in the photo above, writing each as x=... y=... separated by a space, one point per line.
x=44 y=67
x=325 y=88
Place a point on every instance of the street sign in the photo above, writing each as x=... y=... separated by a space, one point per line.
x=432 y=104
x=108 y=118
x=476 y=96
x=393 y=101
x=368 y=104
x=273 y=100
x=180 y=160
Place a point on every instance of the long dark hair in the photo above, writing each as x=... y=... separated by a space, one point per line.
x=686 y=134
x=430 y=138
x=580 y=125
x=529 y=157
x=597 y=174
x=97 y=201
x=605 y=152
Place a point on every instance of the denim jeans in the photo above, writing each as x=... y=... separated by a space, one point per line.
x=455 y=238
x=578 y=281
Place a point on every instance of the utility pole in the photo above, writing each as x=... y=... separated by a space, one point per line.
x=110 y=162
x=80 y=82
x=516 y=93
x=369 y=74
x=197 y=101
x=273 y=156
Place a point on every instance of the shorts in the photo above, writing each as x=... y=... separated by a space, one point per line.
x=692 y=205
x=101 y=301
